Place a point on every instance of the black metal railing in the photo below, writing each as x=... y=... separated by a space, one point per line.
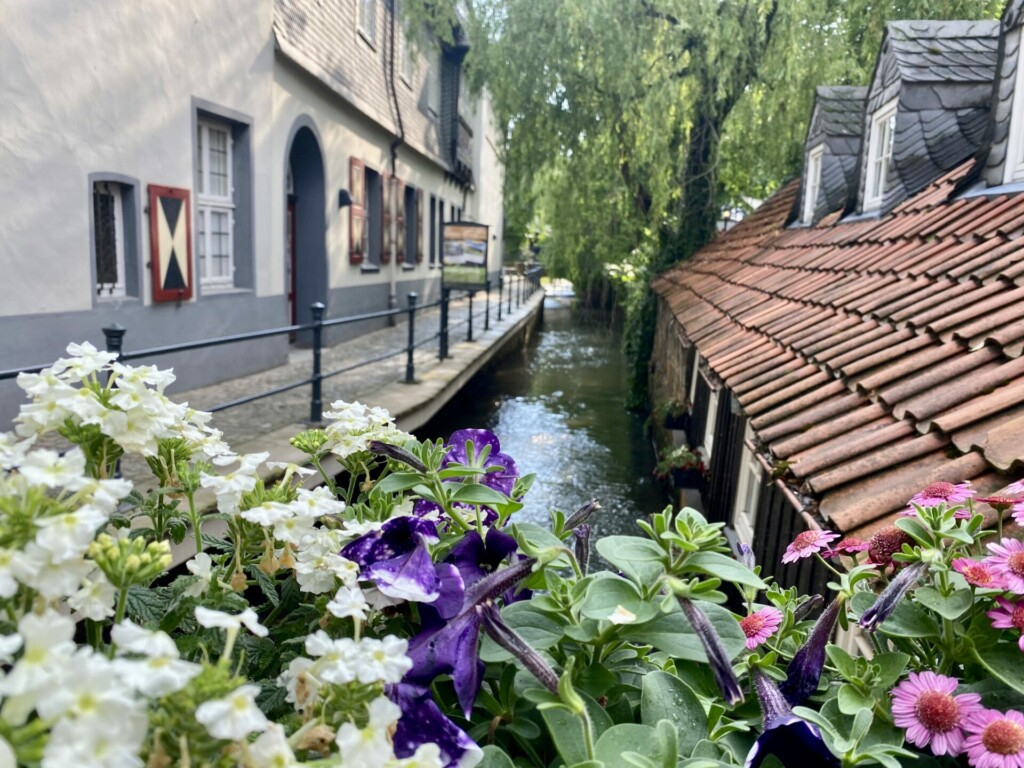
x=522 y=286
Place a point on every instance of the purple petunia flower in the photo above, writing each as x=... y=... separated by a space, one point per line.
x=995 y=739
x=807 y=543
x=804 y=671
x=933 y=717
x=1009 y=616
x=1007 y=561
x=791 y=740
x=718 y=658
x=476 y=557
x=481 y=448
x=896 y=590
x=422 y=722
x=451 y=648
x=760 y=625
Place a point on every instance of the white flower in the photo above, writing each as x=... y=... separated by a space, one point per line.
x=230 y=487
x=301 y=686
x=200 y=566
x=268 y=514
x=12 y=450
x=106 y=494
x=8 y=584
x=270 y=750
x=48 y=646
x=7 y=758
x=210 y=618
x=382 y=660
x=85 y=360
x=84 y=742
x=233 y=717
x=88 y=690
x=68 y=535
x=95 y=598
x=349 y=602
x=50 y=469
x=34 y=567
x=318 y=566
x=383 y=712
x=318 y=502
x=429 y=756
x=621 y=616
x=363 y=747
x=295 y=529
x=156 y=676
x=129 y=637
x=337 y=660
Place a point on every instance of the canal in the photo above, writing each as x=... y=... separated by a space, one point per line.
x=557 y=405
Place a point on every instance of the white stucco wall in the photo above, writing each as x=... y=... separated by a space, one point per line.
x=100 y=87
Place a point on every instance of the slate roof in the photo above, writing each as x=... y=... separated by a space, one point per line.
x=836 y=122
x=877 y=356
x=942 y=73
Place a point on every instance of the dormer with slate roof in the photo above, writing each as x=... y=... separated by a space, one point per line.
x=927 y=106
x=831 y=151
x=1002 y=159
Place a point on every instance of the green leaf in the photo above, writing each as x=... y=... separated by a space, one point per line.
x=1004 y=661
x=842 y=661
x=148 y=605
x=666 y=697
x=852 y=700
x=265 y=584
x=906 y=621
x=673 y=634
x=539 y=630
x=640 y=559
x=725 y=568
x=567 y=731
x=478 y=494
x=890 y=667
x=398 y=481
x=607 y=592
x=495 y=757
x=628 y=737
x=951 y=606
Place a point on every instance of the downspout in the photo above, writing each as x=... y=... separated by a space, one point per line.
x=393 y=181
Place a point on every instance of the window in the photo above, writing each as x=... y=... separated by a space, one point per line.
x=108 y=238
x=812 y=184
x=440 y=230
x=434 y=86
x=368 y=20
x=1014 y=162
x=748 y=493
x=709 y=425
x=434 y=239
x=373 y=231
x=883 y=126
x=411 y=239
x=214 y=206
x=404 y=51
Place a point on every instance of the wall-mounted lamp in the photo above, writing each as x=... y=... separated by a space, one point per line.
x=344 y=198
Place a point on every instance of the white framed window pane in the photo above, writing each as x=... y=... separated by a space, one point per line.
x=368 y=18
x=219 y=163
x=200 y=162
x=108 y=239
x=201 y=242
x=220 y=244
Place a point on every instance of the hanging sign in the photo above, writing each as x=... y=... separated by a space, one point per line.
x=170 y=240
x=465 y=255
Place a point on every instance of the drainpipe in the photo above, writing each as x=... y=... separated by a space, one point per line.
x=393 y=181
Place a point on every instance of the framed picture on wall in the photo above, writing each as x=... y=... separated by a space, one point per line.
x=170 y=238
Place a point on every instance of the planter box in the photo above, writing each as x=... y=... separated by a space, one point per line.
x=681 y=422
x=688 y=478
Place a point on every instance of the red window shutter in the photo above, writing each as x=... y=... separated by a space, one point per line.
x=400 y=243
x=419 y=225
x=385 y=256
x=356 y=211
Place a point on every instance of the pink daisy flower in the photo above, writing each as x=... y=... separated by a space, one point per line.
x=1007 y=561
x=851 y=545
x=995 y=739
x=1009 y=616
x=760 y=625
x=943 y=493
x=1018 y=513
x=977 y=573
x=933 y=717
x=1017 y=487
x=807 y=543
x=999 y=503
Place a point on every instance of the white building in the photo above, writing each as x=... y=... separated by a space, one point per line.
x=259 y=120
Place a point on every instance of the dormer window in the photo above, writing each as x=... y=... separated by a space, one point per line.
x=883 y=127
x=1013 y=169
x=812 y=182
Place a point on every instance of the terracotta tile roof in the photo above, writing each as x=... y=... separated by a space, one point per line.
x=875 y=356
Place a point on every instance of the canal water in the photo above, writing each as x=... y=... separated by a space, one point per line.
x=557 y=406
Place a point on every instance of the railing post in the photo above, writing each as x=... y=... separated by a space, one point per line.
x=443 y=335
x=114 y=336
x=487 y=304
x=316 y=400
x=510 y=296
x=519 y=291
x=469 y=325
x=501 y=294
x=410 y=371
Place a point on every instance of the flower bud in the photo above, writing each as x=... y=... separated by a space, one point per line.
x=721 y=668
x=886 y=603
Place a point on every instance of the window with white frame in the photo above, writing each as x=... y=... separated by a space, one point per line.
x=812 y=184
x=712 y=419
x=108 y=210
x=748 y=492
x=215 y=206
x=368 y=20
x=434 y=86
x=1013 y=170
x=883 y=128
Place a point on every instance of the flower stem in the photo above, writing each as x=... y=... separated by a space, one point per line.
x=193 y=517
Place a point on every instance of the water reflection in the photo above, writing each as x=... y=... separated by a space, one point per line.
x=557 y=407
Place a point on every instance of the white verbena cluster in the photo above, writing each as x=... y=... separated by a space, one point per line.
x=354 y=425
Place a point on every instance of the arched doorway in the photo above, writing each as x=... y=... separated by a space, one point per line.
x=305 y=243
